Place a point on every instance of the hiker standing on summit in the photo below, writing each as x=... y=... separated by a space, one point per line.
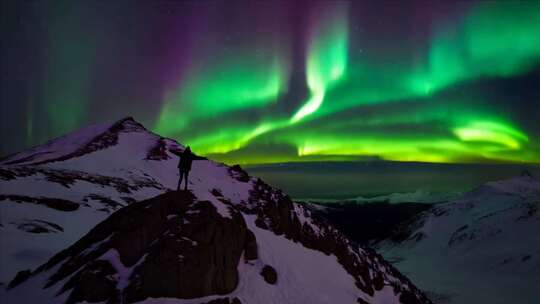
x=184 y=165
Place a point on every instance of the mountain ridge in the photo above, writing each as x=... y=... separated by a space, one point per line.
x=105 y=182
x=485 y=235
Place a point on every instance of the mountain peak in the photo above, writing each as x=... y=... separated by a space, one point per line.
x=127 y=123
x=77 y=143
x=230 y=235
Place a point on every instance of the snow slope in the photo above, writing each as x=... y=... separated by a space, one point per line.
x=98 y=180
x=52 y=195
x=482 y=247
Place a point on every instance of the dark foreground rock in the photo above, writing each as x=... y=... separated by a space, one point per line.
x=269 y=274
x=168 y=246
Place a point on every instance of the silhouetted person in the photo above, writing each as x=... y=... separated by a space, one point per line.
x=184 y=165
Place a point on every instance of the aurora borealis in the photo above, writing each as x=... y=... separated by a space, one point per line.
x=278 y=81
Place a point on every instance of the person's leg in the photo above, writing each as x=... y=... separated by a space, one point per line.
x=187 y=174
x=180 y=181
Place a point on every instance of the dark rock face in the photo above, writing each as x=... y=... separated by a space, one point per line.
x=38 y=226
x=224 y=301
x=159 y=151
x=168 y=246
x=269 y=274
x=20 y=277
x=276 y=212
x=96 y=284
x=67 y=178
x=371 y=222
x=238 y=173
x=361 y=301
x=54 y=203
x=109 y=204
x=194 y=259
x=250 y=249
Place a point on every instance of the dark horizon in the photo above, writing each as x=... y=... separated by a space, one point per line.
x=346 y=180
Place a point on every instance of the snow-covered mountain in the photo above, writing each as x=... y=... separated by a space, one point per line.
x=418 y=196
x=92 y=217
x=482 y=247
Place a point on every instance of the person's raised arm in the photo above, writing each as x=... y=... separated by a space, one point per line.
x=197 y=157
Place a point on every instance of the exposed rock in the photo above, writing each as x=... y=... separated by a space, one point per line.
x=109 y=204
x=238 y=173
x=164 y=250
x=159 y=151
x=279 y=215
x=269 y=274
x=224 y=301
x=54 y=203
x=67 y=178
x=95 y=284
x=378 y=282
x=407 y=297
x=250 y=249
x=361 y=301
x=6 y=175
x=178 y=244
x=38 y=226
x=19 y=278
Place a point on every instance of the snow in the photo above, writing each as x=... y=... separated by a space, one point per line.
x=22 y=250
x=37 y=294
x=385 y=296
x=522 y=186
x=123 y=273
x=60 y=146
x=482 y=237
x=297 y=276
x=418 y=196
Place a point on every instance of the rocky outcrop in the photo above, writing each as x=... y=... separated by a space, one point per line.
x=224 y=301
x=169 y=246
x=276 y=212
x=269 y=274
x=67 y=178
x=54 y=203
x=37 y=226
x=158 y=151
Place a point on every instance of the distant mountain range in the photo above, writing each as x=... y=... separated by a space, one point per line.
x=338 y=180
x=479 y=247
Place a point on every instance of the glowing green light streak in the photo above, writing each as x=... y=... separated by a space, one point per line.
x=499 y=39
x=490 y=131
x=492 y=40
x=216 y=88
x=326 y=61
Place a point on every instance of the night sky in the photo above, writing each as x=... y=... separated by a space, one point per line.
x=278 y=81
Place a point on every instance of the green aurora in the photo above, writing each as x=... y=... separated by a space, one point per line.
x=500 y=40
x=264 y=82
